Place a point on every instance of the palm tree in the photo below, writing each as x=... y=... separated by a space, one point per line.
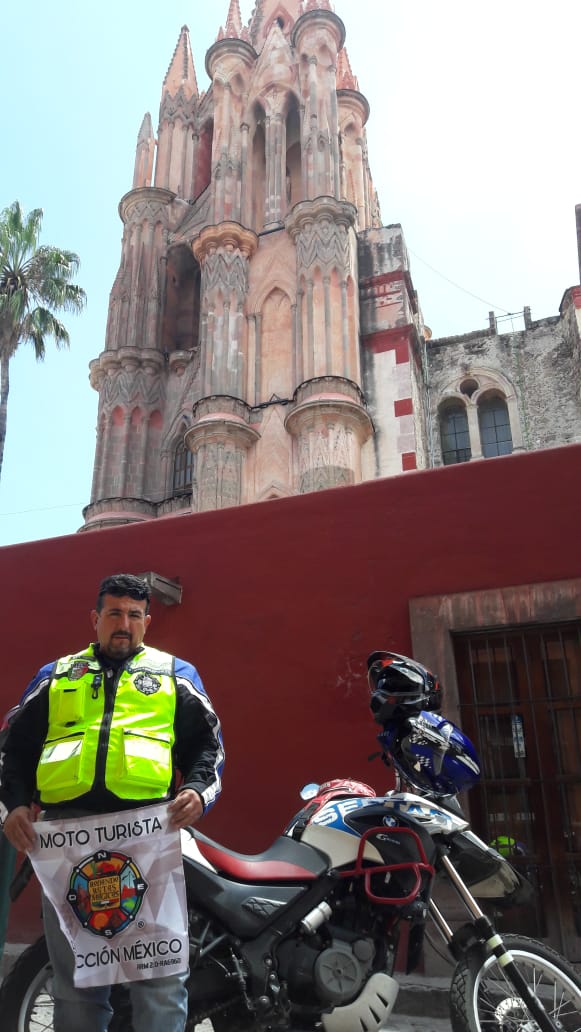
x=35 y=282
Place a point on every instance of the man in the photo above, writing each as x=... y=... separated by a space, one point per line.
x=109 y=729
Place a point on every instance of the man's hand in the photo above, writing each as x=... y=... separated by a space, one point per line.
x=185 y=809
x=19 y=828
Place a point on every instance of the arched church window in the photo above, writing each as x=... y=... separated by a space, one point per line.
x=455 y=435
x=203 y=171
x=494 y=422
x=183 y=469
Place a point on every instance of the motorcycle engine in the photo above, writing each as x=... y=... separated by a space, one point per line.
x=336 y=972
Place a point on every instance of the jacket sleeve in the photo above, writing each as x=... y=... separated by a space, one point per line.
x=22 y=742
x=199 y=750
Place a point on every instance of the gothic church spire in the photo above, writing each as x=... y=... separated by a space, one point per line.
x=233 y=29
x=181 y=74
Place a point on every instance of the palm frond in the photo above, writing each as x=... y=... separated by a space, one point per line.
x=35 y=283
x=40 y=324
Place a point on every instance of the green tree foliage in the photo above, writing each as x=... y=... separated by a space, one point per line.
x=35 y=284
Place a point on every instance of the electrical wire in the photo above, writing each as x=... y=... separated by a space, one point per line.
x=457 y=285
x=49 y=508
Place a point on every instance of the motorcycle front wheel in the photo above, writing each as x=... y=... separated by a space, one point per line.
x=483 y=1000
x=26 y=998
x=26 y=1002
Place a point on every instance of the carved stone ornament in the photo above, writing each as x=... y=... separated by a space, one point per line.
x=320 y=230
x=148 y=204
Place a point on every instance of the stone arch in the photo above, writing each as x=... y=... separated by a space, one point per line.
x=237 y=85
x=494 y=424
x=454 y=433
x=275 y=348
x=182 y=464
x=153 y=489
x=274 y=491
x=472 y=388
x=293 y=162
x=257 y=180
x=203 y=173
x=181 y=316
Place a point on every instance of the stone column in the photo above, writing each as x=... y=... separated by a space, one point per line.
x=330 y=424
x=223 y=253
x=220 y=437
x=317 y=35
x=323 y=233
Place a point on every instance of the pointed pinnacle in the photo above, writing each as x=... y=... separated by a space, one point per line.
x=146 y=132
x=345 y=78
x=233 y=28
x=181 y=73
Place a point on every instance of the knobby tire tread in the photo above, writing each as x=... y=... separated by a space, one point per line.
x=462 y=1016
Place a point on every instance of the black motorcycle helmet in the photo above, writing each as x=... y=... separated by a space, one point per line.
x=400 y=687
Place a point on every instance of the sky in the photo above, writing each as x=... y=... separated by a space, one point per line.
x=474 y=148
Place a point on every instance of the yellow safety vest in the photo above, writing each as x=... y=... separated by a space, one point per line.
x=126 y=748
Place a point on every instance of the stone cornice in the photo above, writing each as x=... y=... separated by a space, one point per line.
x=327 y=396
x=228 y=236
x=321 y=16
x=306 y=212
x=130 y=359
x=112 y=511
x=146 y=202
x=354 y=101
x=221 y=419
x=229 y=48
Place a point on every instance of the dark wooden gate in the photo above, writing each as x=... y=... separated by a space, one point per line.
x=520 y=702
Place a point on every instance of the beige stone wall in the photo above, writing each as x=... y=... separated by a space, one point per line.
x=537 y=371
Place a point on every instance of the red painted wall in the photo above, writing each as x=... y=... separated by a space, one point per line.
x=282 y=602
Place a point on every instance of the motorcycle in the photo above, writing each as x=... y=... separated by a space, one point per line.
x=306 y=935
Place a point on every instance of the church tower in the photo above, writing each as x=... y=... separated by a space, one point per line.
x=263 y=337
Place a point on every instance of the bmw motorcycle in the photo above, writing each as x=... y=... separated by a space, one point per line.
x=306 y=935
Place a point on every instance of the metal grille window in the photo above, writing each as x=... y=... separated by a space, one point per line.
x=495 y=433
x=183 y=469
x=520 y=702
x=455 y=435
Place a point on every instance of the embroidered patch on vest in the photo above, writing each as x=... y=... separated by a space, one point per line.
x=147 y=684
x=78 y=669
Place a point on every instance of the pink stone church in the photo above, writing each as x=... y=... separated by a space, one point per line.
x=264 y=337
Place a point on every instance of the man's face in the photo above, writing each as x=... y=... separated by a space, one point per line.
x=120 y=625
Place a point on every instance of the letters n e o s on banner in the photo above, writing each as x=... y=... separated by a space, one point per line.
x=116 y=882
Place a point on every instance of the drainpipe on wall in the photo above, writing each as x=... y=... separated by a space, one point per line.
x=427 y=401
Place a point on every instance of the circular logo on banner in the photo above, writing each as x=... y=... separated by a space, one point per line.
x=106 y=891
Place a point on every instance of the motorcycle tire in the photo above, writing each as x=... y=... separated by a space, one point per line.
x=482 y=1000
x=26 y=1001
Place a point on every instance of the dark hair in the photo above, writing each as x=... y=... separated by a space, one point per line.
x=121 y=585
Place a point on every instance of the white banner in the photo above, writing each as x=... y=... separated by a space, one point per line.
x=117 y=883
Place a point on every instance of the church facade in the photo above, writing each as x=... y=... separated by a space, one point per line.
x=264 y=337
